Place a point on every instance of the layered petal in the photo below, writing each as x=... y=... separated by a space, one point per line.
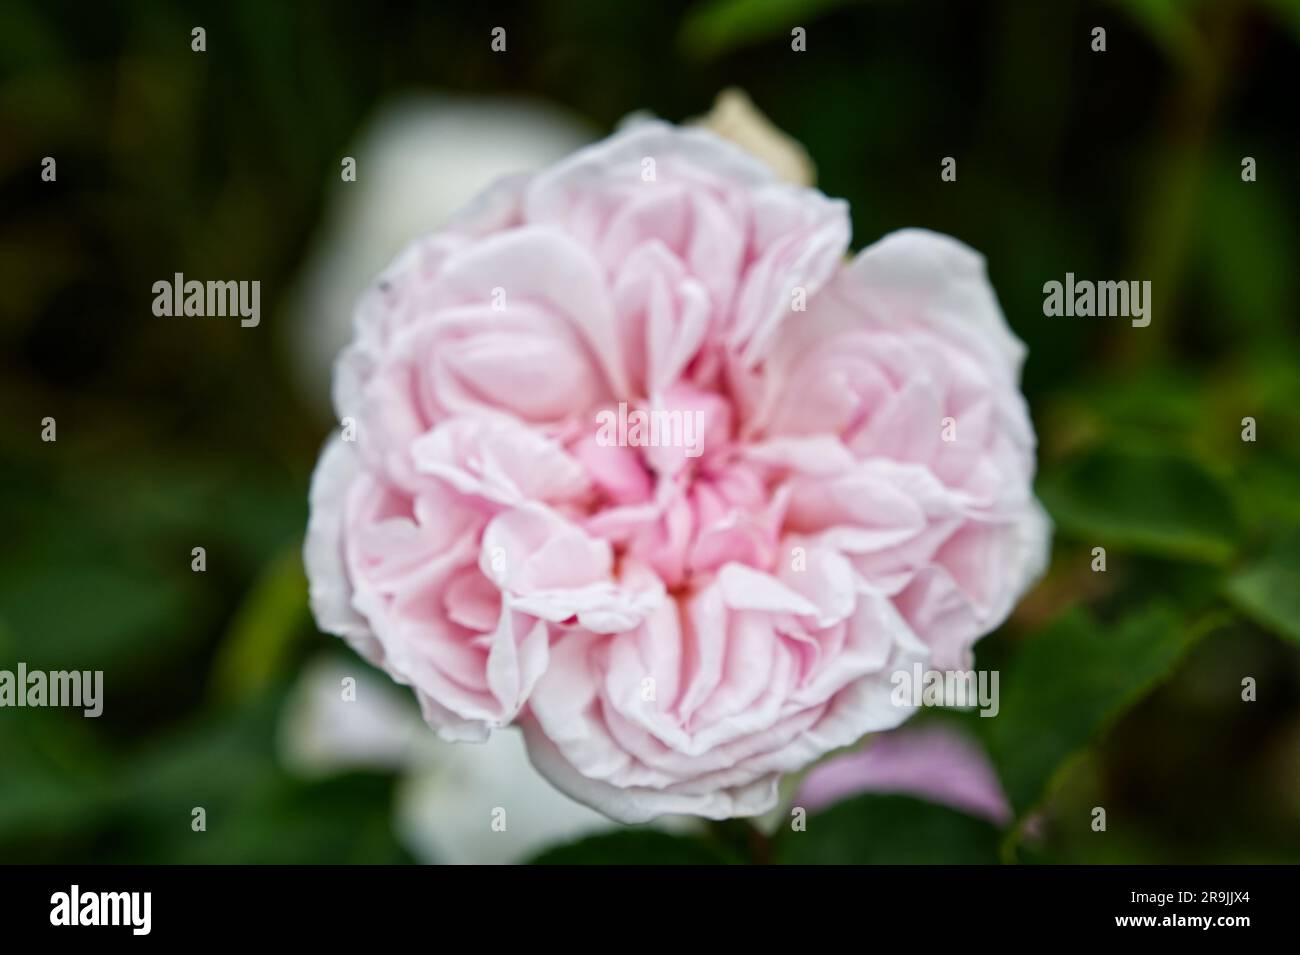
x=638 y=462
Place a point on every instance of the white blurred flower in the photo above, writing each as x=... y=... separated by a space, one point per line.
x=419 y=159
x=446 y=798
x=445 y=813
x=322 y=732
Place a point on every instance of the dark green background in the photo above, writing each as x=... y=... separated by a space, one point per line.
x=1120 y=690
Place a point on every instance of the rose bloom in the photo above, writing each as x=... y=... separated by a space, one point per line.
x=672 y=630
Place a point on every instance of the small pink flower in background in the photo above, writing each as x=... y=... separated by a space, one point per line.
x=673 y=625
x=934 y=762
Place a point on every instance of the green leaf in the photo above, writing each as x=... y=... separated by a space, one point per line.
x=243 y=513
x=261 y=636
x=86 y=615
x=880 y=829
x=1159 y=503
x=1288 y=11
x=1243 y=247
x=53 y=780
x=63 y=799
x=636 y=847
x=344 y=819
x=255 y=811
x=1268 y=590
x=1169 y=24
x=30 y=41
x=1066 y=685
x=717 y=26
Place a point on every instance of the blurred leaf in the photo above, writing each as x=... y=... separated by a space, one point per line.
x=60 y=796
x=1245 y=244
x=27 y=42
x=223 y=761
x=1269 y=489
x=255 y=811
x=1268 y=590
x=889 y=830
x=248 y=512
x=1154 y=502
x=636 y=847
x=740 y=838
x=1163 y=400
x=1067 y=684
x=260 y=639
x=1169 y=24
x=1288 y=11
x=717 y=26
x=93 y=615
x=51 y=778
x=342 y=820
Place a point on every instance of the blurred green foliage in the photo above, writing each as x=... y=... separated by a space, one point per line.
x=1121 y=689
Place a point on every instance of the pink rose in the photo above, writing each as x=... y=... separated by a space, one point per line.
x=612 y=484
